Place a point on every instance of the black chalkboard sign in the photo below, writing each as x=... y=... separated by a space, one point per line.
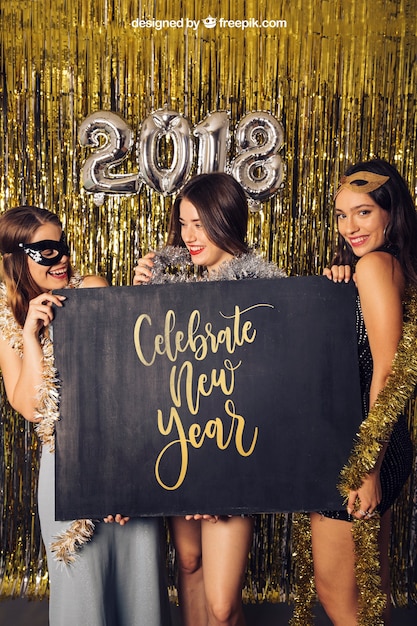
x=222 y=397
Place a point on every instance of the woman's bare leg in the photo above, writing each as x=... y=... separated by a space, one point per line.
x=186 y=536
x=226 y=546
x=334 y=567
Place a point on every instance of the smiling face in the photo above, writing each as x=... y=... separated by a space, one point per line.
x=361 y=221
x=203 y=251
x=49 y=277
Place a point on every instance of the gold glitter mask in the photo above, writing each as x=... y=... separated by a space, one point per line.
x=372 y=181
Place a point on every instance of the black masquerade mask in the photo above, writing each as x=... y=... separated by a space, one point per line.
x=46 y=252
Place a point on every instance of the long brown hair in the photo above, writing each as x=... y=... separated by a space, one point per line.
x=222 y=208
x=19 y=225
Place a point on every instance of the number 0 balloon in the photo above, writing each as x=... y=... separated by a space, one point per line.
x=171 y=127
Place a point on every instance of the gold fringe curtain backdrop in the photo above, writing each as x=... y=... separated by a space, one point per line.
x=340 y=77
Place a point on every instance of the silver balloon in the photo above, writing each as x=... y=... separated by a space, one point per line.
x=113 y=139
x=214 y=142
x=172 y=128
x=258 y=166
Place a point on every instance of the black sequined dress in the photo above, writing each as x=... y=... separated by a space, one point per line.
x=398 y=459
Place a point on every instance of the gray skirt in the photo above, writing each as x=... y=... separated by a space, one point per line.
x=118 y=578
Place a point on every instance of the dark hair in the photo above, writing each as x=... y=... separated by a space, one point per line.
x=19 y=225
x=401 y=232
x=222 y=208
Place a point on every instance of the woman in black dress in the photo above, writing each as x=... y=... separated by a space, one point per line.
x=377 y=226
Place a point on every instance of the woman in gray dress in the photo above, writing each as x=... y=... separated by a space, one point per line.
x=100 y=574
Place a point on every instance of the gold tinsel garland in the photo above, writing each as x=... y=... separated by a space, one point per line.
x=372 y=600
x=303 y=556
x=373 y=432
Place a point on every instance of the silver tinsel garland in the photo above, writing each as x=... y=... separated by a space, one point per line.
x=173 y=264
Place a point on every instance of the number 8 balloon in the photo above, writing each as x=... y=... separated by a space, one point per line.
x=258 y=166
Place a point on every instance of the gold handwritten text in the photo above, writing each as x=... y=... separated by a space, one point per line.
x=204 y=385
x=172 y=342
x=214 y=429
